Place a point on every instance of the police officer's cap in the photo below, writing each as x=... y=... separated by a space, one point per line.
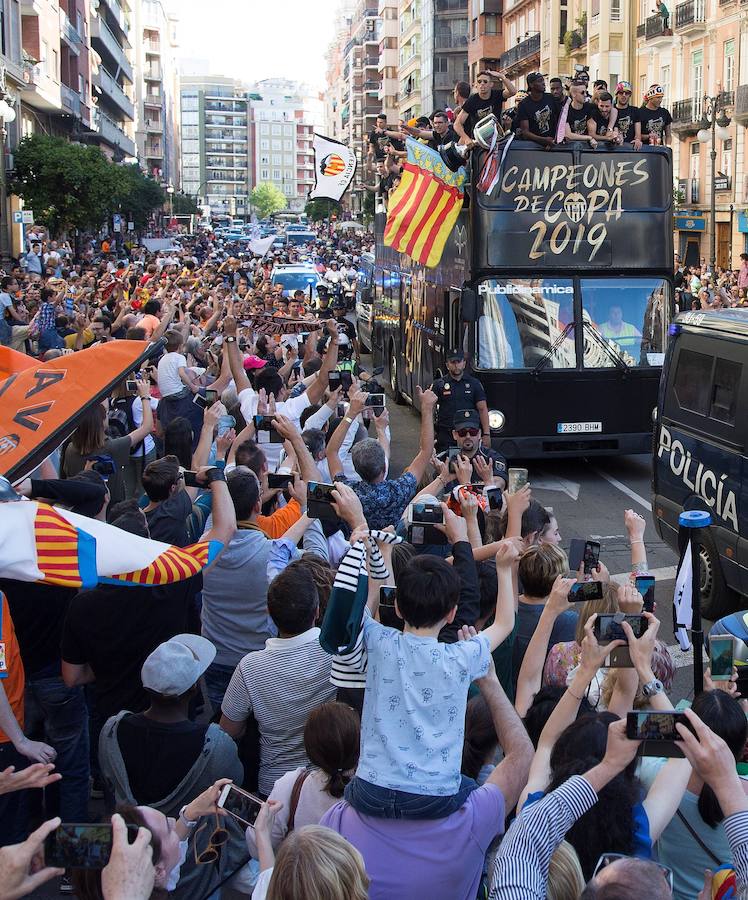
x=455 y=355
x=466 y=418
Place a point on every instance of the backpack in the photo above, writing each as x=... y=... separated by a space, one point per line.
x=120 y=421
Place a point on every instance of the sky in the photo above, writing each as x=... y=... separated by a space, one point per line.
x=254 y=39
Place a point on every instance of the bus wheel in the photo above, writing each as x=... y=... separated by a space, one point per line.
x=717 y=599
x=396 y=395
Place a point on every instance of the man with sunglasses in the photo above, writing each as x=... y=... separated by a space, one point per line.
x=628 y=123
x=458 y=391
x=467 y=436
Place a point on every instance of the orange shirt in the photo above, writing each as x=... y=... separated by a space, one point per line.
x=277 y=524
x=11 y=667
x=149 y=324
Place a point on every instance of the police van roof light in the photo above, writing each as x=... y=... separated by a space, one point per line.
x=674 y=329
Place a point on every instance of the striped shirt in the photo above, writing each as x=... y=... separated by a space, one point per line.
x=281 y=685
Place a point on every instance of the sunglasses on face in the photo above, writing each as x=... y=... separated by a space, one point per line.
x=464 y=432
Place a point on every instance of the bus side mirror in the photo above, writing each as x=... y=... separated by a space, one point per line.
x=468 y=305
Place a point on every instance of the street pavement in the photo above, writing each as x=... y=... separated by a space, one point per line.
x=589 y=497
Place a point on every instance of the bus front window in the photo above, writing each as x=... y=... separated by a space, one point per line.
x=626 y=319
x=523 y=321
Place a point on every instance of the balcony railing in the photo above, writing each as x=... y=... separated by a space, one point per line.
x=740 y=113
x=69 y=33
x=726 y=98
x=154 y=126
x=691 y=12
x=151 y=99
x=640 y=30
x=371 y=61
x=113 y=134
x=100 y=32
x=152 y=73
x=521 y=51
x=655 y=28
x=114 y=92
x=447 y=41
x=578 y=38
x=70 y=100
x=443 y=6
x=687 y=114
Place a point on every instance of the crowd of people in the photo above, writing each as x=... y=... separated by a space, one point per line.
x=388 y=663
x=700 y=287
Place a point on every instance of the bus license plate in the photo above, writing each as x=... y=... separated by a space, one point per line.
x=578 y=427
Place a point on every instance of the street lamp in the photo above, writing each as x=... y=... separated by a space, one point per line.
x=714 y=124
x=170 y=192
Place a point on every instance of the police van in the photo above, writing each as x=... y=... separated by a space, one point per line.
x=701 y=448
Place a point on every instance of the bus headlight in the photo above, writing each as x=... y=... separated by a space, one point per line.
x=496 y=420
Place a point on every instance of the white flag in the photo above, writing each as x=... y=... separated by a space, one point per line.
x=683 y=600
x=261 y=245
x=334 y=168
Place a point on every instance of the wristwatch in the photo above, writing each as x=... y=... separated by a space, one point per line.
x=652 y=687
x=188 y=823
x=230 y=339
x=215 y=473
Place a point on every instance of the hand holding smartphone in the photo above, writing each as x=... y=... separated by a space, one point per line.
x=721 y=653
x=81 y=846
x=241 y=805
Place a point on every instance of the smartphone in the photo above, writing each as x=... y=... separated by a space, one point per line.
x=78 y=846
x=131 y=385
x=243 y=806
x=607 y=626
x=657 y=730
x=341 y=410
x=587 y=551
x=334 y=380
x=319 y=501
x=721 y=652
x=645 y=584
x=583 y=591
x=495 y=498
x=278 y=481
x=346 y=381
x=423 y=535
x=452 y=454
x=266 y=433
x=208 y=400
x=427 y=514
x=375 y=401
x=387 y=614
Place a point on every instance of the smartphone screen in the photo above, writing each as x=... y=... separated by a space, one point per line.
x=654 y=726
x=608 y=627
x=583 y=591
x=645 y=584
x=576 y=552
x=427 y=514
x=334 y=380
x=721 y=657
x=74 y=846
x=387 y=614
x=591 y=556
x=276 y=481
x=495 y=498
x=239 y=804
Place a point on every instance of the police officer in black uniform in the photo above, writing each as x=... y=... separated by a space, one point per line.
x=466 y=435
x=345 y=326
x=459 y=391
x=323 y=310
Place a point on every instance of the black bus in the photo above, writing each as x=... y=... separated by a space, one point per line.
x=559 y=288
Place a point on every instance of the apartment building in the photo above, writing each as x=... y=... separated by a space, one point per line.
x=214 y=142
x=388 y=59
x=283 y=118
x=410 y=58
x=485 y=36
x=113 y=77
x=595 y=33
x=521 y=27
x=704 y=51
x=156 y=90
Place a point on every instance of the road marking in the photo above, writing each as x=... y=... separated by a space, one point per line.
x=624 y=489
x=546 y=482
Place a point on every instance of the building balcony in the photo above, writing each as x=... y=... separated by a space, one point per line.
x=152 y=47
x=520 y=52
x=448 y=41
x=103 y=39
x=39 y=90
x=726 y=98
x=740 y=113
x=69 y=33
x=641 y=30
x=71 y=102
x=109 y=88
x=371 y=87
x=577 y=41
x=111 y=132
x=655 y=31
x=153 y=151
x=118 y=14
x=687 y=115
x=152 y=73
x=690 y=17
x=371 y=62
x=154 y=126
x=156 y=100
x=459 y=7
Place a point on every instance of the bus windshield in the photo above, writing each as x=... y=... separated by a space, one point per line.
x=524 y=320
x=629 y=316
x=527 y=323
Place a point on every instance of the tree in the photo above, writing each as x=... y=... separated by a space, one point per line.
x=138 y=194
x=185 y=205
x=267 y=199
x=319 y=209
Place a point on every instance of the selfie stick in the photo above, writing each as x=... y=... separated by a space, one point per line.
x=694 y=519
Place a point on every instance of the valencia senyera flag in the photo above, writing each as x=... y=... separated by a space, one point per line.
x=423 y=209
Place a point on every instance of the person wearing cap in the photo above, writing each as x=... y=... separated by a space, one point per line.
x=323 y=309
x=489 y=467
x=457 y=390
x=628 y=123
x=654 y=118
x=484 y=102
x=345 y=326
x=537 y=114
x=161 y=759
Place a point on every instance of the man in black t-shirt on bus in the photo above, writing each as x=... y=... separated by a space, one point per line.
x=654 y=118
x=537 y=114
x=482 y=103
x=628 y=116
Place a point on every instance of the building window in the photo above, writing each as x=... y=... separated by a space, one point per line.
x=189 y=118
x=276 y=174
x=642 y=85
x=729 y=68
x=188 y=103
x=615 y=10
x=277 y=159
x=665 y=81
x=265 y=174
x=276 y=129
x=81 y=86
x=492 y=24
x=264 y=145
x=726 y=166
